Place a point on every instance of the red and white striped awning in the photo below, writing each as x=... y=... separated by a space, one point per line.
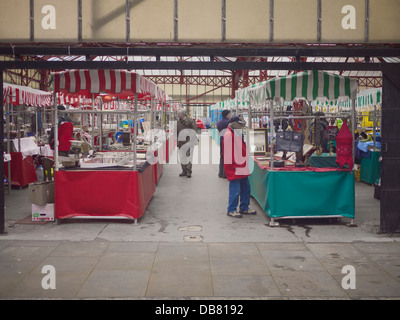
x=21 y=95
x=121 y=83
x=74 y=100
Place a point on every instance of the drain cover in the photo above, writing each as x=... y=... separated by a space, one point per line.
x=193 y=238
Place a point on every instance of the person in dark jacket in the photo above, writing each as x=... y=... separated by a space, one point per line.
x=221 y=126
x=187 y=139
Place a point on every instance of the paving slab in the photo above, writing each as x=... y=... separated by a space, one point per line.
x=317 y=284
x=291 y=260
x=126 y=261
x=245 y=286
x=115 y=283
x=190 y=278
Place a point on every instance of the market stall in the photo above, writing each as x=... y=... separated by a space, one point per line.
x=368 y=140
x=295 y=190
x=116 y=183
x=22 y=139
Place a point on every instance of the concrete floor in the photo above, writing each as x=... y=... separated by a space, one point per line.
x=186 y=246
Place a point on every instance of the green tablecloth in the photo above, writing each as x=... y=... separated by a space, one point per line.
x=371 y=168
x=303 y=193
x=325 y=160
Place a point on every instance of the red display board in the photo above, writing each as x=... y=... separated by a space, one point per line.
x=22 y=170
x=107 y=193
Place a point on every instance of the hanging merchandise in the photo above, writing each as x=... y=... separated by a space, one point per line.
x=344 y=146
x=298 y=111
x=289 y=141
x=339 y=123
x=331 y=133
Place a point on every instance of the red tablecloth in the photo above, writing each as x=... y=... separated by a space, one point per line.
x=103 y=193
x=22 y=170
x=159 y=168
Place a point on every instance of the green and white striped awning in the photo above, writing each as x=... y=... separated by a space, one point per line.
x=242 y=95
x=365 y=101
x=310 y=85
x=228 y=104
x=369 y=97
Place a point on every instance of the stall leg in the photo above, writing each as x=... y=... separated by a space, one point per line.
x=351 y=223
x=273 y=223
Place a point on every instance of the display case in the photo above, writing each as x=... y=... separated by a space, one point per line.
x=258 y=141
x=113 y=159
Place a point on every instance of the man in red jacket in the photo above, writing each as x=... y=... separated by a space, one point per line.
x=65 y=132
x=236 y=166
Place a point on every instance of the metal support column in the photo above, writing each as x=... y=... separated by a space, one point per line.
x=93 y=115
x=272 y=131
x=55 y=132
x=2 y=209
x=135 y=132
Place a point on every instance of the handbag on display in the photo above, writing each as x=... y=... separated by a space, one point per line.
x=289 y=141
x=330 y=133
x=282 y=144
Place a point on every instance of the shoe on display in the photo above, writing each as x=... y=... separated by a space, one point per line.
x=234 y=214
x=248 y=212
x=182 y=174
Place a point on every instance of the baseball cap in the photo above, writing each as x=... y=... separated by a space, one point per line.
x=237 y=119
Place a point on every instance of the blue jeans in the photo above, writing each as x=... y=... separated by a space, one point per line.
x=239 y=188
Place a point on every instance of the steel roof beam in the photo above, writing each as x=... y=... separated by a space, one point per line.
x=243 y=51
x=186 y=65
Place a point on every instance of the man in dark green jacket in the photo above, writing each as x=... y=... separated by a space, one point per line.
x=187 y=139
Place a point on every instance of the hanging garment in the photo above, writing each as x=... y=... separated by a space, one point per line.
x=344 y=147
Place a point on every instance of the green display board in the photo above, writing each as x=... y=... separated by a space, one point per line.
x=303 y=193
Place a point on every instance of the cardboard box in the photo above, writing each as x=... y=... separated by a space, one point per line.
x=41 y=193
x=43 y=213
